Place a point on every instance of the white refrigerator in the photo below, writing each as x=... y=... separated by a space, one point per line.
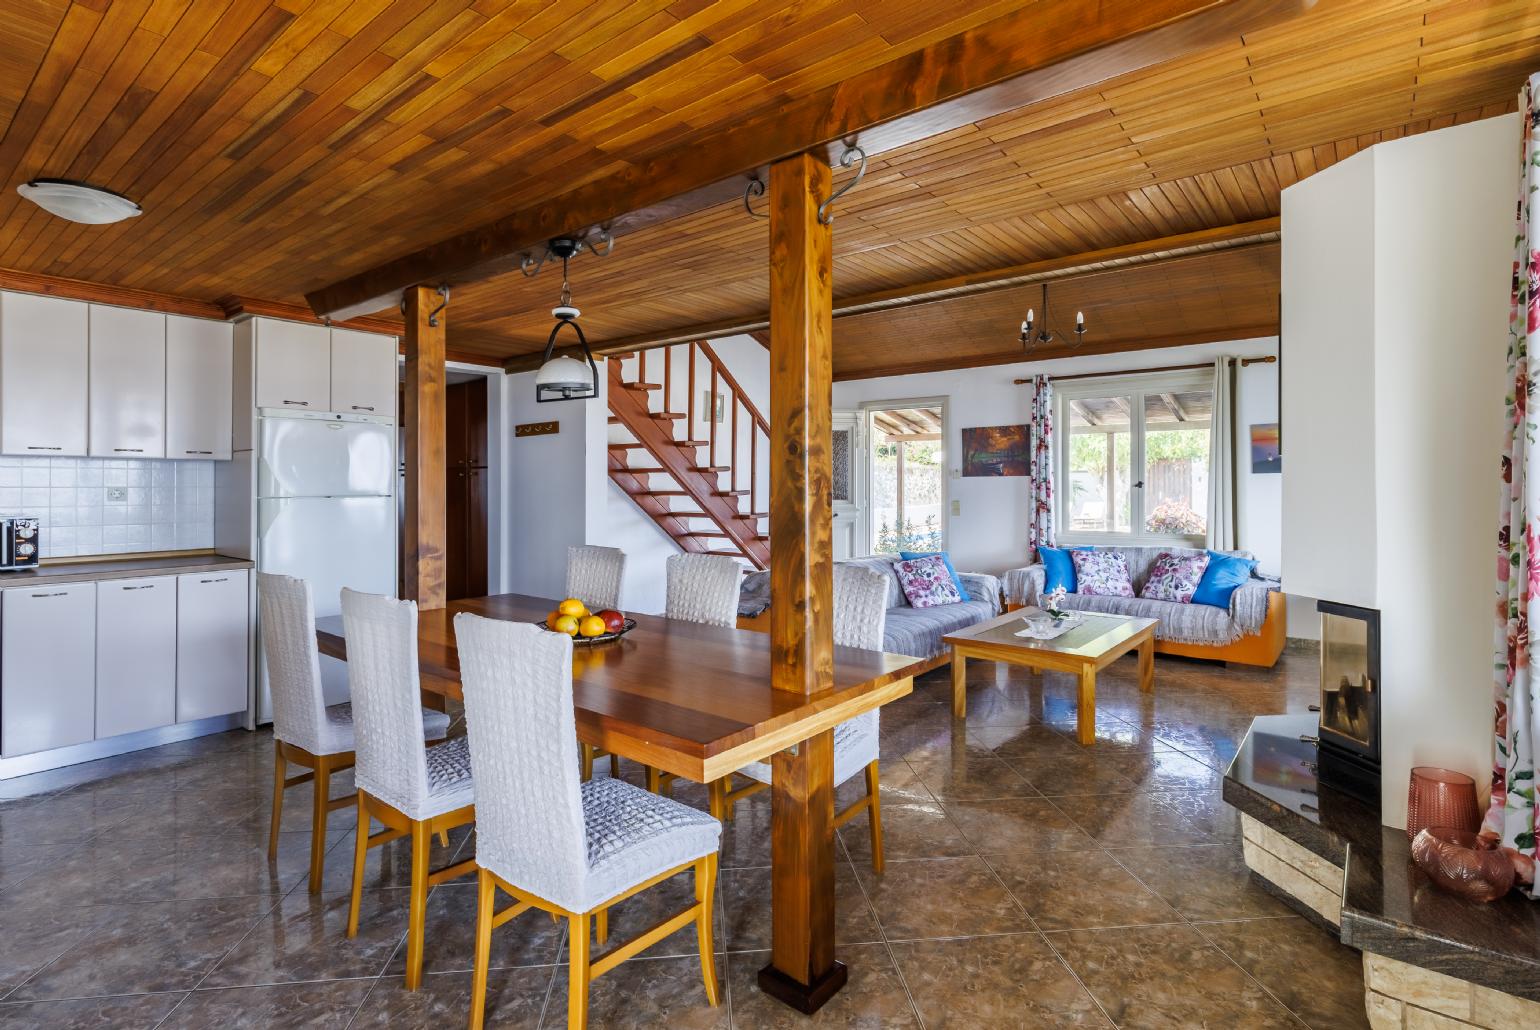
x=326 y=512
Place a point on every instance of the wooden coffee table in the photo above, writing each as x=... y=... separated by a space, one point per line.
x=1093 y=645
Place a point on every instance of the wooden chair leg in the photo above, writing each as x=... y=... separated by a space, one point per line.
x=601 y=926
x=654 y=780
x=716 y=791
x=615 y=766
x=280 y=766
x=417 y=913
x=586 y=761
x=874 y=815
x=486 y=896
x=443 y=838
x=578 y=972
x=360 y=852
x=319 y=802
x=705 y=890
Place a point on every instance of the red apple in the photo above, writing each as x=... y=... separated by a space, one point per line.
x=614 y=621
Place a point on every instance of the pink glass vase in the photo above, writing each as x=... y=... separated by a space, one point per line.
x=1441 y=797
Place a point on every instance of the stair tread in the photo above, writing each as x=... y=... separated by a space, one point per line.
x=692 y=443
x=729 y=493
x=680 y=515
x=659 y=493
x=643 y=386
x=732 y=554
x=706 y=533
x=666 y=416
x=711 y=468
x=749 y=515
x=627 y=446
x=639 y=470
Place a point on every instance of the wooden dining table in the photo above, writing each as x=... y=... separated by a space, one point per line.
x=696 y=701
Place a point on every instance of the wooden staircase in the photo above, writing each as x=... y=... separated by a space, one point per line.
x=695 y=490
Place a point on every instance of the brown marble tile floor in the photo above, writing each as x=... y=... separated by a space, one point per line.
x=1030 y=883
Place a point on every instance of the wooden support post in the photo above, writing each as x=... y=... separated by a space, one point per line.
x=422 y=416
x=803 y=972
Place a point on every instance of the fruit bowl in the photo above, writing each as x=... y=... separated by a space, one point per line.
x=579 y=640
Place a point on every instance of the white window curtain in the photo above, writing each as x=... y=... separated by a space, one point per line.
x=1221 y=457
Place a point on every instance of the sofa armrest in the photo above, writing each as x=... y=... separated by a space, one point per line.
x=1248 y=604
x=1024 y=586
x=982 y=587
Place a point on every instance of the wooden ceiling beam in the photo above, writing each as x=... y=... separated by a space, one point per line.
x=1041 y=51
x=1245 y=234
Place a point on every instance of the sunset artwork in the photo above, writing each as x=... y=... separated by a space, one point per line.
x=996 y=451
x=1264 y=448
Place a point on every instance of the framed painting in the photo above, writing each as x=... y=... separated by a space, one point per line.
x=996 y=451
x=1265 y=455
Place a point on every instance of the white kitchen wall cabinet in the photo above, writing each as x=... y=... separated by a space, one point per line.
x=128 y=383
x=199 y=367
x=136 y=651
x=213 y=627
x=43 y=376
x=293 y=365
x=363 y=372
x=47 y=666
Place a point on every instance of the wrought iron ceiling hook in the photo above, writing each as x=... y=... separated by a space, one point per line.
x=755 y=188
x=607 y=238
x=531 y=267
x=443 y=292
x=852 y=154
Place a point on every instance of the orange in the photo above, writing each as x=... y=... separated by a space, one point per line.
x=567 y=624
x=572 y=606
x=550 y=620
x=592 y=626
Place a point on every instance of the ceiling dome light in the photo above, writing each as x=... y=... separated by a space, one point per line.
x=79 y=201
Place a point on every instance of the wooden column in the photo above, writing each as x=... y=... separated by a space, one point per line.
x=422 y=416
x=803 y=972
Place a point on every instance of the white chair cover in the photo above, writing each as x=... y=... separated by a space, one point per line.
x=704 y=588
x=537 y=826
x=391 y=763
x=860 y=615
x=287 y=615
x=594 y=575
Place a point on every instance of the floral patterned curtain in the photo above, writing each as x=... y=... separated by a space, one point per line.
x=1040 y=529
x=1511 y=820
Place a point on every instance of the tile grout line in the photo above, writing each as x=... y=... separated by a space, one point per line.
x=1245 y=972
x=882 y=932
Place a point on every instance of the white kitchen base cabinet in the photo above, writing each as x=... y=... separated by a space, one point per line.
x=47 y=667
x=135 y=654
x=213 y=627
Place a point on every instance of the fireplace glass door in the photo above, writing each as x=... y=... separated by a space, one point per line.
x=1350 y=678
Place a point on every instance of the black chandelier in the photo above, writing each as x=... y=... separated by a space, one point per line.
x=1044 y=332
x=563 y=378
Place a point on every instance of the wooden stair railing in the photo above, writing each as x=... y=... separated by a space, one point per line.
x=656 y=453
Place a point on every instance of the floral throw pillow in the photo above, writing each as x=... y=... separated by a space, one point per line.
x=926 y=582
x=1175 y=577
x=1102 y=572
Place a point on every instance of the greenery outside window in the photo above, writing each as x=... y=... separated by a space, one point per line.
x=906 y=465
x=1133 y=459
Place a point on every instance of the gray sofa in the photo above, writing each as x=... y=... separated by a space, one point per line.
x=1179 y=623
x=916 y=632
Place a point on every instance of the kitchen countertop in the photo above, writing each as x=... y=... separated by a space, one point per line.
x=120 y=568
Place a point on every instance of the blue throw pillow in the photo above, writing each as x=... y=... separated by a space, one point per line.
x=1225 y=572
x=946 y=560
x=1058 y=568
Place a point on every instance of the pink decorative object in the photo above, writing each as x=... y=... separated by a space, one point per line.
x=1456 y=862
x=1102 y=572
x=1175 y=577
x=926 y=582
x=1441 y=797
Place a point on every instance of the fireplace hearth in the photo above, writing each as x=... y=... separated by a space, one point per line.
x=1349 y=753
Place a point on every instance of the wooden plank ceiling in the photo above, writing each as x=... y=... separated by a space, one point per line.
x=277 y=146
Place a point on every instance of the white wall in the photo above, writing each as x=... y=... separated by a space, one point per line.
x=1397 y=370
x=989 y=534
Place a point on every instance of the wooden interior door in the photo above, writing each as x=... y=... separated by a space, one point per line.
x=465 y=468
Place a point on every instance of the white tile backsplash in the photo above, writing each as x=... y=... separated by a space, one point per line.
x=112 y=506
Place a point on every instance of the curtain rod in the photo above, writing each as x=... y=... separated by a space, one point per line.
x=1266 y=360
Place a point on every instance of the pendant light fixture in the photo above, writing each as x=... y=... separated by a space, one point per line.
x=79 y=201
x=563 y=378
x=1044 y=332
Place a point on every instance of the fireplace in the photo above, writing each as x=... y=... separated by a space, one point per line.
x=1350 y=699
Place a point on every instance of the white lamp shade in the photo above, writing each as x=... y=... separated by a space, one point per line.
x=78 y=202
x=564 y=373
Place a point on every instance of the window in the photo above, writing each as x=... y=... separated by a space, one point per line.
x=907 y=476
x=1134 y=458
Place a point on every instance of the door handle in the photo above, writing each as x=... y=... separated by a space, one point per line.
x=1139 y=485
x=302 y=404
x=128 y=450
x=34 y=447
x=363 y=407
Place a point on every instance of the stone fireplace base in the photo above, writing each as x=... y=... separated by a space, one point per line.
x=1431 y=960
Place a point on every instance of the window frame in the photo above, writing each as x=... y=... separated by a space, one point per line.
x=868 y=437
x=1135 y=386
